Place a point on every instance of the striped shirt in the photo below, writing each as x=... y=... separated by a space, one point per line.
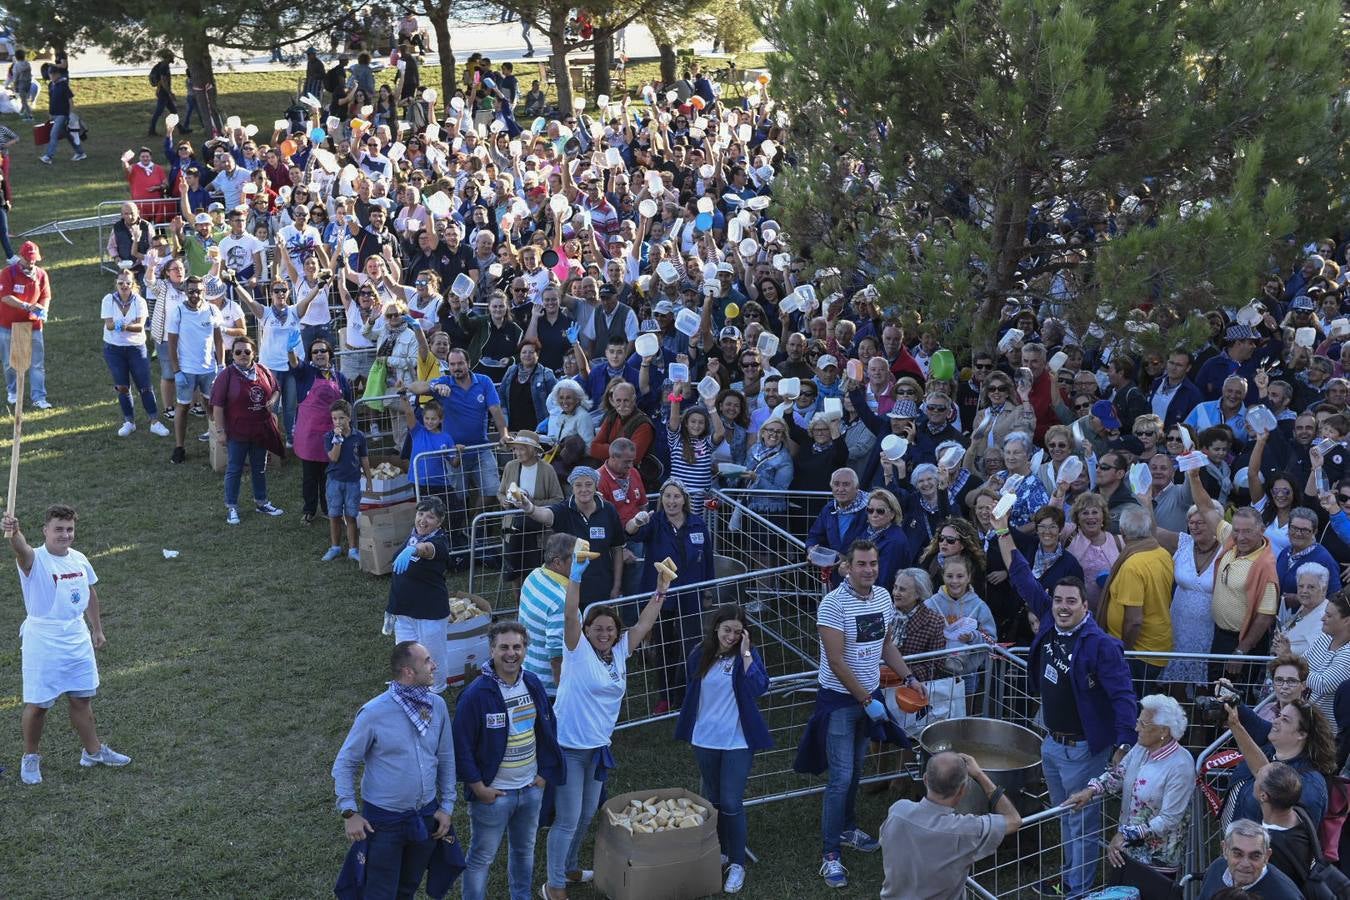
x=865 y=622
x=696 y=476
x=542 y=599
x=1327 y=669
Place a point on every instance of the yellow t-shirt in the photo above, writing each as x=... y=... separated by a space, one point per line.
x=1230 y=591
x=1144 y=581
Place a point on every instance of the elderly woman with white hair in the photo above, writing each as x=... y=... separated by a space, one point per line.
x=570 y=427
x=1030 y=492
x=1300 y=627
x=1155 y=780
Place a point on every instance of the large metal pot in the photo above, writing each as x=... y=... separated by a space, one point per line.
x=1009 y=754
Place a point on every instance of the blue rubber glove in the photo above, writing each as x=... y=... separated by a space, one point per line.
x=410 y=321
x=578 y=569
x=875 y=709
x=573 y=330
x=40 y=313
x=294 y=341
x=404 y=558
x=118 y=326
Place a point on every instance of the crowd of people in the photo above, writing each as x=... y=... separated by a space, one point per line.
x=603 y=294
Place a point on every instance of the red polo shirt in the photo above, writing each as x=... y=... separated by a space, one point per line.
x=628 y=497
x=35 y=289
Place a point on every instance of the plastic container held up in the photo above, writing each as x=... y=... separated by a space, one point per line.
x=822 y=556
x=1340 y=328
x=1249 y=314
x=648 y=208
x=1186 y=462
x=854 y=370
x=462 y=286
x=735 y=230
x=1070 y=470
x=789 y=388
x=647 y=345
x=1260 y=420
x=767 y=344
x=708 y=388
x=1012 y=484
x=1010 y=337
x=1305 y=337
x=894 y=446
x=666 y=271
x=952 y=458
x=705 y=205
x=613 y=158
x=1004 y=505
x=748 y=247
x=678 y=373
x=1140 y=478
x=833 y=407
x=1057 y=361
x=686 y=322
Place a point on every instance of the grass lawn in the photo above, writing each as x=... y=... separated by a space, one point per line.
x=232 y=672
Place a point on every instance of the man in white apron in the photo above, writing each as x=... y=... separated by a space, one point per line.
x=58 y=647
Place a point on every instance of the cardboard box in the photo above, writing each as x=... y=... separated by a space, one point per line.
x=680 y=864
x=388 y=491
x=468 y=640
x=219 y=454
x=383 y=533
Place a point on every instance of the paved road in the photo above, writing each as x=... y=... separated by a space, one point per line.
x=502 y=42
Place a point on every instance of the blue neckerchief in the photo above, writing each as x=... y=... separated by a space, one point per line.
x=415 y=701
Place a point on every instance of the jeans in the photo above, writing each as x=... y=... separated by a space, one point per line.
x=395 y=865
x=59 y=130
x=4 y=232
x=574 y=807
x=289 y=391
x=163 y=103
x=128 y=364
x=37 y=372
x=234 y=471
x=1068 y=767
x=725 y=773
x=515 y=814
x=191 y=108
x=845 y=748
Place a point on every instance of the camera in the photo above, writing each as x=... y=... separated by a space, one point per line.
x=1214 y=710
x=325 y=277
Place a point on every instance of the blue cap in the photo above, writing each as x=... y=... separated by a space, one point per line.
x=583 y=472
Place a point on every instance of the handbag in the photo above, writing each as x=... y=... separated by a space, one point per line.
x=1325 y=881
x=1148 y=881
x=376 y=380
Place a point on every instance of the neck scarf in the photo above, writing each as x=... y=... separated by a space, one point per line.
x=856 y=506
x=415 y=701
x=1045 y=560
x=249 y=372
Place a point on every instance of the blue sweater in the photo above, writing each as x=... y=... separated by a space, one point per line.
x=1102 y=688
x=1288 y=571
x=1314 y=796
x=480 y=746
x=745 y=684
x=691 y=550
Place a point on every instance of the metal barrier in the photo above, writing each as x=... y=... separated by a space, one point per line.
x=1036 y=853
x=795 y=520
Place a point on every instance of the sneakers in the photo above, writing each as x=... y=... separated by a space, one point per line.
x=12 y=398
x=170 y=413
x=126 y=429
x=268 y=509
x=231 y=515
x=41 y=404
x=197 y=409
x=80 y=156
x=332 y=553
x=833 y=871
x=45 y=160
x=858 y=839
x=106 y=756
x=585 y=876
x=30 y=770
x=159 y=429
x=179 y=456
x=204 y=437
x=307 y=519
x=354 y=555
x=735 y=879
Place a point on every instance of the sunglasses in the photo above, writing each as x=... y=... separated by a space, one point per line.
x=984 y=366
x=1144 y=434
x=280 y=290
x=313 y=350
x=393 y=315
x=906 y=392
x=1104 y=467
x=365 y=293
x=244 y=352
x=1057 y=445
x=193 y=292
x=1082 y=406
x=877 y=510
x=1174 y=438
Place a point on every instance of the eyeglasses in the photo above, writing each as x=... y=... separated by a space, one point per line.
x=1287 y=682
x=984 y=366
x=244 y=352
x=365 y=293
x=393 y=315
x=877 y=510
x=1082 y=406
x=1298 y=529
x=1047 y=527
x=1344 y=498
x=1144 y=434
x=1058 y=445
x=519 y=290
x=750 y=364
x=937 y=409
x=1173 y=437
x=193 y=292
x=280 y=290
x=1104 y=467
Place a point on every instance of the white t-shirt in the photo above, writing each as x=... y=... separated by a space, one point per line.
x=298 y=243
x=317 y=313
x=136 y=311
x=57 y=587
x=865 y=623
x=520 y=764
x=238 y=253
x=589 y=695
x=351 y=333
x=196 y=349
x=276 y=334
x=424 y=311
x=718 y=725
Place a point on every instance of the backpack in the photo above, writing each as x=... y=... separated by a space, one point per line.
x=1325 y=881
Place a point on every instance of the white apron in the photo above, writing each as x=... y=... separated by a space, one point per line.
x=58 y=656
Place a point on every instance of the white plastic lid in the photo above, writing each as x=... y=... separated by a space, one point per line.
x=734 y=230
x=1004 y=505
x=705 y=205
x=558 y=203
x=1070 y=470
x=648 y=208
x=748 y=247
x=647 y=345
x=952 y=458
x=894 y=446
x=767 y=344
x=686 y=322
x=678 y=372
x=758 y=203
x=1305 y=337
x=613 y=157
x=789 y=387
x=668 y=274
x=708 y=387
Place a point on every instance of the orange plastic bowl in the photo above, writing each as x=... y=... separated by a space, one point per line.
x=909 y=700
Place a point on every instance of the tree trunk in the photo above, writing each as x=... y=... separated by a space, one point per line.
x=440 y=24
x=562 y=78
x=197 y=55
x=604 y=60
x=669 y=64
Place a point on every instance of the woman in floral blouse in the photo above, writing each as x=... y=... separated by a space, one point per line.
x=1155 y=780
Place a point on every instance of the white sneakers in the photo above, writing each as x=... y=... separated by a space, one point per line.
x=42 y=404
x=156 y=428
x=30 y=770
x=735 y=879
x=106 y=756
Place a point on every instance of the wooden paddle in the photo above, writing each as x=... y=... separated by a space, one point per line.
x=20 y=357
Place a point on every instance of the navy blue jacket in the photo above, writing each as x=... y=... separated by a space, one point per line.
x=825 y=529
x=1288 y=571
x=812 y=757
x=691 y=550
x=1183 y=401
x=745 y=684
x=1102 y=688
x=479 y=747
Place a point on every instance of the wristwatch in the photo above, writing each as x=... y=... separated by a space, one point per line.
x=348 y=813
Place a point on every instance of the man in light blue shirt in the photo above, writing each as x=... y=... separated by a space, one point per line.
x=403 y=739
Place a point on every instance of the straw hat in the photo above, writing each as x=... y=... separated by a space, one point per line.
x=526 y=439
